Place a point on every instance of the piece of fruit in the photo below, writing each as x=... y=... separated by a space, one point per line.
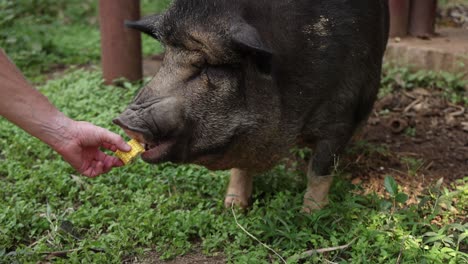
x=136 y=150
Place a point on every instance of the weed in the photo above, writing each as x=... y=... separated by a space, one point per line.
x=413 y=165
x=393 y=189
x=46 y=208
x=410 y=131
x=452 y=85
x=366 y=148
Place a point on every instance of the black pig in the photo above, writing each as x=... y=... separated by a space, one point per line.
x=244 y=81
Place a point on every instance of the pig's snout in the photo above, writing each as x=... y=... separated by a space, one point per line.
x=159 y=121
x=159 y=124
x=133 y=132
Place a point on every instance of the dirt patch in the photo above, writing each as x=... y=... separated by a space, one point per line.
x=416 y=137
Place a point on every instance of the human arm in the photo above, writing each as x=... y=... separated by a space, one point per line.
x=79 y=143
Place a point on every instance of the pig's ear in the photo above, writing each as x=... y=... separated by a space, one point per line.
x=247 y=39
x=147 y=25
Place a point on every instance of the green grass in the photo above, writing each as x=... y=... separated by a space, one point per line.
x=168 y=208
x=452 y=85
x=445 y=3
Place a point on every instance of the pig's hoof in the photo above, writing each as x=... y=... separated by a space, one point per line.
x=311 y=205
x=236 y=201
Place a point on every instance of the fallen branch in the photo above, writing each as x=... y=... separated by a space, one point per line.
x=309 y=253
x=410 y=106
x=461 y=110
x=60 y=254
x=64 y=253
x=409 y=95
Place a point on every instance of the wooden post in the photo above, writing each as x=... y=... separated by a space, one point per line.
x=422 y=21
x=120 y=46
x=399 y=17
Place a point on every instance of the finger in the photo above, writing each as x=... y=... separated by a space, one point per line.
x=108 y=146
x=109 y=163
x=110 y=160
x=100 y=156
x=90 y=171
x=113 y=162
x=112 y=139
x=118 y=163
x=99 y=168
x=106 y=169
x=93 y=169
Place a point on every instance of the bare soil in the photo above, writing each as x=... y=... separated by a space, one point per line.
x=417 y=137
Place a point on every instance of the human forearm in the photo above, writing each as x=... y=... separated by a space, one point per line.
x=79 y=143
x=26 y=107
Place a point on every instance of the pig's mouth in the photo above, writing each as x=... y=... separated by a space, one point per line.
x=175 y=147
x=158 y=151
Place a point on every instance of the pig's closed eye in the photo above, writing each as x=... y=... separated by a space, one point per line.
x=221 y=73
x=198 y=69
x=198 y=65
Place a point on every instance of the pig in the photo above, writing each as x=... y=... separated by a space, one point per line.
x=242 y=82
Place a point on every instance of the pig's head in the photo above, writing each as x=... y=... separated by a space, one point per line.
x=212 y=102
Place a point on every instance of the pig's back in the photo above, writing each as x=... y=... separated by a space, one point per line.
x=327 y=56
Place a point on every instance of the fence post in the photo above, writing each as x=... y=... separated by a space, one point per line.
x=423 y=15
x=120 y=46
x=399 y=17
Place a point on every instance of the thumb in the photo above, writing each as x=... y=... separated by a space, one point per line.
x=116 y=140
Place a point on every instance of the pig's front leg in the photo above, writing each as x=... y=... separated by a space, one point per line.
x=239 y=191
x=319 y=179
x=316 y=195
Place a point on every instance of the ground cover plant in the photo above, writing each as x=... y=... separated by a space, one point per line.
x=388 y=203
x=143 y=211
x=48 y=210
x=41 y=36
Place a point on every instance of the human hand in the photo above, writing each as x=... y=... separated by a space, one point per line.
x=81 y=146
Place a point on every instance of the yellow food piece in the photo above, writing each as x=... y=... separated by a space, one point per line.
x=127 y=157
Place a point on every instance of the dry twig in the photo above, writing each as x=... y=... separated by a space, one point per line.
x=252 y=236
x=410 y=106
x=309 y=253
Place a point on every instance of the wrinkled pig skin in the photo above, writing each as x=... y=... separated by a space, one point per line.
x=243 y=81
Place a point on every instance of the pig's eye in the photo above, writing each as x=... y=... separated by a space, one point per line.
x=200 y=64
x=199 y=68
